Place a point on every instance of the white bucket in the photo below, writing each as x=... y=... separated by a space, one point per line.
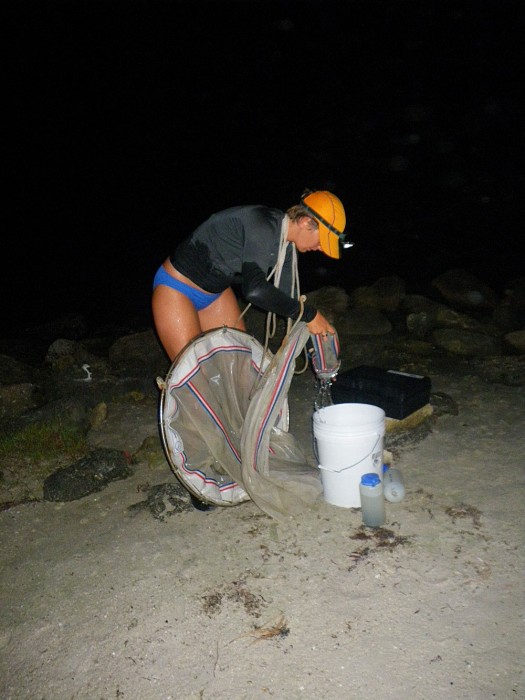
x=348 y=442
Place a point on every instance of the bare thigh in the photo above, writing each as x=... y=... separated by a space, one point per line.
x=176 y=319
x=223 y=312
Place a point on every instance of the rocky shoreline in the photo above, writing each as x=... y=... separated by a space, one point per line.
x=61 y=373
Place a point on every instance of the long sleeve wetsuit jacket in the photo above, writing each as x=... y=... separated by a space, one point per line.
x=241 y=245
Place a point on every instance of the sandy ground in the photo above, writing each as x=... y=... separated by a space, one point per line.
x=103 y=601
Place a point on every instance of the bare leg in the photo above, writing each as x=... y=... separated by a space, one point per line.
x=176 y=319
x=177 y=322
x=223 y=312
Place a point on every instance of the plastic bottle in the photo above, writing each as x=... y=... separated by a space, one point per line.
x=372 y=500
x=393 y=485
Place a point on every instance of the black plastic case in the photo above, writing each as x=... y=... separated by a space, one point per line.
x=399 y=394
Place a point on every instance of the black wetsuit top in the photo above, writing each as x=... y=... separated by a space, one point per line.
x=241 y=245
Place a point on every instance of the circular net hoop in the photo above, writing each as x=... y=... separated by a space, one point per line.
x=224 y=422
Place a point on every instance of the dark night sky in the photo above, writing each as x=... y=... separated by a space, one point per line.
x=130 y=122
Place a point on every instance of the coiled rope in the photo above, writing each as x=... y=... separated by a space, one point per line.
x=295 y=292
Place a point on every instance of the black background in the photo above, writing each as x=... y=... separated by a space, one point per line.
x=128 y=123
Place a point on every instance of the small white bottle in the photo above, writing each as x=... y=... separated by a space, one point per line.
x=372 y=500
x=393 y=485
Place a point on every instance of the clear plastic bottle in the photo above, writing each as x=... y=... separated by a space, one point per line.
x=372 y=500
x=393 y=485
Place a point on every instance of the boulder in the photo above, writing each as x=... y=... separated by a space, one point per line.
x=465 y=343
x=386 y=294
x=464 y=290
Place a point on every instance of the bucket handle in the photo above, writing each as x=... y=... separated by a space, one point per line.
x=337 y=471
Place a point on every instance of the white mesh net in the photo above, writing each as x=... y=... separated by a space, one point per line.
x=224 y=423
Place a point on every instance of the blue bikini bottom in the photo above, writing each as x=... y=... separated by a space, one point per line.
x=200 y=300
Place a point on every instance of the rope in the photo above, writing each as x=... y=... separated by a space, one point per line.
x=295 y=291
x=271 y=318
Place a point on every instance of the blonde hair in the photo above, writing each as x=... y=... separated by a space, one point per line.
x=298 y=210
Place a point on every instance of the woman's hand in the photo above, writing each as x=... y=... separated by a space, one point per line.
x=319 y=325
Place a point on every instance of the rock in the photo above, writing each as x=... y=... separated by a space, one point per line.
x=443 y=404
x=416 y=303
x=98 y=415
x=385 y=294
x=397 y=439
x=509 y=371
x=423 y=315
x=89 y=475
x=70 y=359
x=419 y=325
x=70 y=410
x=364 y=322
x=331 y=301
x=126 y=423
x=150 y=451
x=413 y=346
x=465 y=343
x=394 y=425
x=17 y=399
x=516 y=340
x=164 y=500
x=139 y=353
x=448 y=318
x=61 y=353
x=463 y=289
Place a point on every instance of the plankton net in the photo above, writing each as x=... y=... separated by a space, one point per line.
x=224 y=423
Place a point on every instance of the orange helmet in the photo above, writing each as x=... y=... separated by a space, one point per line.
x=330 y=215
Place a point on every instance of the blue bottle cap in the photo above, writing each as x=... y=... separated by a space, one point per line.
x=371 y=479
